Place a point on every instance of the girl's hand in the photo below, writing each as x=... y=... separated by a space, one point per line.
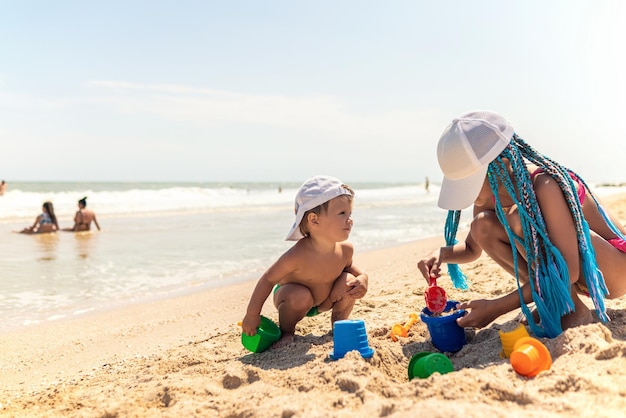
x=430 y=267
x=481 y=312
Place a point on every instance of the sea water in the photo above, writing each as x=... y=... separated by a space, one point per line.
x=164 y=239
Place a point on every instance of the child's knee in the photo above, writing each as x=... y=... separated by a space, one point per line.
x=295 y=296
x=483 y=227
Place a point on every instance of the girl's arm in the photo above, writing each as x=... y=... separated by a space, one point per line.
x=37 y=221
x=459 y=253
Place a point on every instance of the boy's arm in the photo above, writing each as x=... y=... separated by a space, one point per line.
x=253 y=314
x=359 y=282
x=262 y=290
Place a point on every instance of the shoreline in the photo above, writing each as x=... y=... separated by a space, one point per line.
x=98 y=337
x=172 y=294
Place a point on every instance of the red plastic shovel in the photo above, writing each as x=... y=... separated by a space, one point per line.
x=435 y=297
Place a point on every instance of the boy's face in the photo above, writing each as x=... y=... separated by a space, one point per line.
x=336 y=222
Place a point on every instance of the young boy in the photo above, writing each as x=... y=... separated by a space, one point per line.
x=316 y=274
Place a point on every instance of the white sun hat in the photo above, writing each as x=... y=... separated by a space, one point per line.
x=314 y=192
x=464 y=151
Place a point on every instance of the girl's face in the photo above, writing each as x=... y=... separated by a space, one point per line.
x=485 y=196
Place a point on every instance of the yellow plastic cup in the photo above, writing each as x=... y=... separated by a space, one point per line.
x=509 y=339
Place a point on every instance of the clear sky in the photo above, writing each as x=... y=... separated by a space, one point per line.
x=283 y=90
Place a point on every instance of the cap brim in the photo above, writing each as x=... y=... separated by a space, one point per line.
x=295 y=234
x=460 y=194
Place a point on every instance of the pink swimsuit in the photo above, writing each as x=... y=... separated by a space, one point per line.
x=618 y=243
x=581 y=187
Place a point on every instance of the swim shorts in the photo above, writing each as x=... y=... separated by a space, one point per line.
x=312 y=312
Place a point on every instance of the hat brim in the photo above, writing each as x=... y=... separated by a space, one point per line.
x=294 y=233
x=460 y=194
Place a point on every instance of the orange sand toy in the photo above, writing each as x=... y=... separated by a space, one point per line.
x=399 y=330
x=530 y=357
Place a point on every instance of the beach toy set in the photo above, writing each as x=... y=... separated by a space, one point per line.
x=528 y=355
x=348 y=335
x=445 y=333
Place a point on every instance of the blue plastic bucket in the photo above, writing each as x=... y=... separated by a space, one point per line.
x=445 y=333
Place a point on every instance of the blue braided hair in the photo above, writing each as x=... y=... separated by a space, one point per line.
x=547 y=269
x=459 y=280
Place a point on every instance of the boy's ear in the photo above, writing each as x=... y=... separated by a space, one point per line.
x=313 y=218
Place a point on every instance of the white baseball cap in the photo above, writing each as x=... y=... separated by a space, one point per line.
x=314 y=192
x=464 y=151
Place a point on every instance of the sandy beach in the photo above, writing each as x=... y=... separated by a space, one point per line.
x=183 y=357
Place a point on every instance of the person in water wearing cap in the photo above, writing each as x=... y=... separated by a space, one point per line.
x=317 y=273
x=537 y=219
x=83 y=218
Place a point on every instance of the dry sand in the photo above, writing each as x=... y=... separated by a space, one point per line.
x=183 y=357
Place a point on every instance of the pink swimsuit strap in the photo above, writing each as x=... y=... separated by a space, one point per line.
x=581 y=187
x=618 y=243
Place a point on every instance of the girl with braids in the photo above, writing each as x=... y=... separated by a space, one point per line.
x=535 y=218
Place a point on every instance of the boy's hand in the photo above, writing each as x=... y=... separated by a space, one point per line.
x=250 y=323
x=359 y=286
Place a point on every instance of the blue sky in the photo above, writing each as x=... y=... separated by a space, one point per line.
x=283 y=90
